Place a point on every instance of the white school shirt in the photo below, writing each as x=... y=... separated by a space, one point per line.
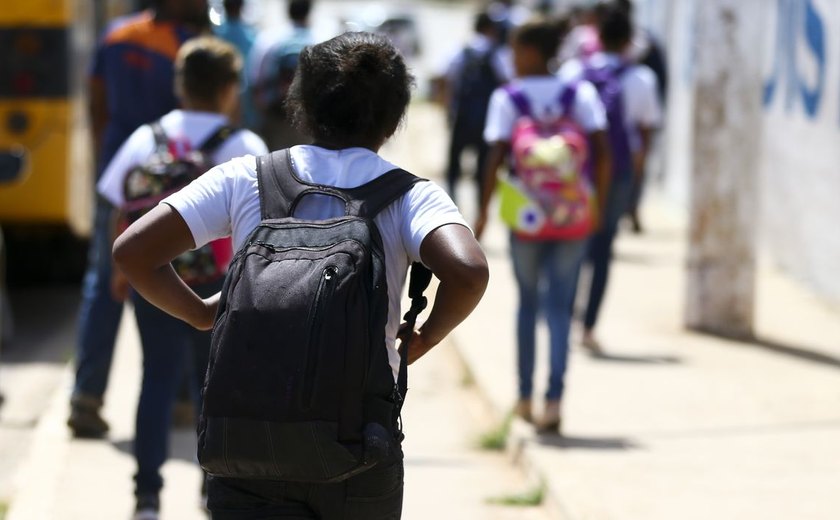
x=225 y=201
x=543 y=94
x=186 y=130
x=639 y=90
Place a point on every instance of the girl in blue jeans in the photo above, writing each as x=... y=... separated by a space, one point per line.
x=546 y=269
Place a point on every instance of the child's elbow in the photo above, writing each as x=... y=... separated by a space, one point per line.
x=122 y=253
x=479 y=274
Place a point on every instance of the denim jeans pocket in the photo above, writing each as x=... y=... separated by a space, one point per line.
x=376 y=494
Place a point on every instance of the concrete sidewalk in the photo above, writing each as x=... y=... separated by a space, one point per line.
x=669 y=424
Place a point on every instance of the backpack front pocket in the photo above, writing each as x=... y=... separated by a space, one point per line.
x=323 y=298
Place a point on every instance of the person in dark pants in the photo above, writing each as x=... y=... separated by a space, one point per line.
x=130 y=85
x=350 y=93
x=629 y=93
x=471 y=78
x=207 y=82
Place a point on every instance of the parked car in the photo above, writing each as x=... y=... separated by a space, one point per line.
x=400 y=28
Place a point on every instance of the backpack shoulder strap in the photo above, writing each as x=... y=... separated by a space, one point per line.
x=369 y=199
x=517 y=96
x=161 y=139
x=567 y=98
x=278 y=186
x=280 y=189
x=217 y=138
x=419 y=280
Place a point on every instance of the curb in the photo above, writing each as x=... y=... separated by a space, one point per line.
x=40 y=471
x=516 y=446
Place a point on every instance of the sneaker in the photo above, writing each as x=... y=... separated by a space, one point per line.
x=148 y=508
x=85 y=421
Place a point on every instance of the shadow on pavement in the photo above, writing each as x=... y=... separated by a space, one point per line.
x=585 y=443
x=803 y=353
x=44 y=321
x=641 y=359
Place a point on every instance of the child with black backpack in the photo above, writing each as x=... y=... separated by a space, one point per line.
x=306 y=381
x=471 y=77
x=158 y=160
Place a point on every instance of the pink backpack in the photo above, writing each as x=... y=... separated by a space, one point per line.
x=548 y=195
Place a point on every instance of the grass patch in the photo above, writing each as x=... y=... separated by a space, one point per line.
x=467 y=377
x=496 y=439
x=531 y=498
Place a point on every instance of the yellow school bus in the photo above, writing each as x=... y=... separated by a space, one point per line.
x=46 y=166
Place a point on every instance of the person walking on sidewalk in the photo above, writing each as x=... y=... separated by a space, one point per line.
x=630 y=97
x=350 y=93
x=242 y=36
x=131 y=85
x=207 y=81
x=545 y=123
x=273 y=68
x=471 y=77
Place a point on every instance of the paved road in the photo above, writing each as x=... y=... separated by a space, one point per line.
x=31 y=368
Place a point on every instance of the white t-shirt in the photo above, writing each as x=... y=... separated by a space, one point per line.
x=639 y=88
x=186 y=130
x=225 y=201
x=543 y=94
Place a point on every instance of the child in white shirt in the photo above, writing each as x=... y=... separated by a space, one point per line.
x=350 y=94
x=555 y=261
x=207 y=71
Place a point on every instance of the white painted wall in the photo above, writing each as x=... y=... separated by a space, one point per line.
x=800 y=155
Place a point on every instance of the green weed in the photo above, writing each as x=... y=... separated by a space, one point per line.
x=496 y=439
x=531 y=498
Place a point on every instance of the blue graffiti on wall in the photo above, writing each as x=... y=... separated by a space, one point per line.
x=798 y=21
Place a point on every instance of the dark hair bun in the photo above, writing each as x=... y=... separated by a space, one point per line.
x=351 y=89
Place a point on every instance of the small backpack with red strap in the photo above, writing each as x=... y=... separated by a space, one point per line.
x=165 y=173
x=548 y=195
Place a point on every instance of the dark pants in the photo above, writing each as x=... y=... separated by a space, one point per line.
x=376 y=494
x=462 y=139
x=169 y=346
x=599 y=255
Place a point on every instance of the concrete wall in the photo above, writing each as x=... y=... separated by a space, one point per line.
x=800 y=178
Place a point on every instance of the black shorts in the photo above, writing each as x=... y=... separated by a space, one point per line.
x=376 y=494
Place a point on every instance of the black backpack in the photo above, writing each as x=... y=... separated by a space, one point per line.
x=475 y=84
x=164 y=174
x=298 y=386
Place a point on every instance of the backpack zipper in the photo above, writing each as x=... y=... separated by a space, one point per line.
x=326 y=288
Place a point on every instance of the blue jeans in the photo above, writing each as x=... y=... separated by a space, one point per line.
x=546 y=273
x=99 y=315
x=169 y=347
x=599 y=254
